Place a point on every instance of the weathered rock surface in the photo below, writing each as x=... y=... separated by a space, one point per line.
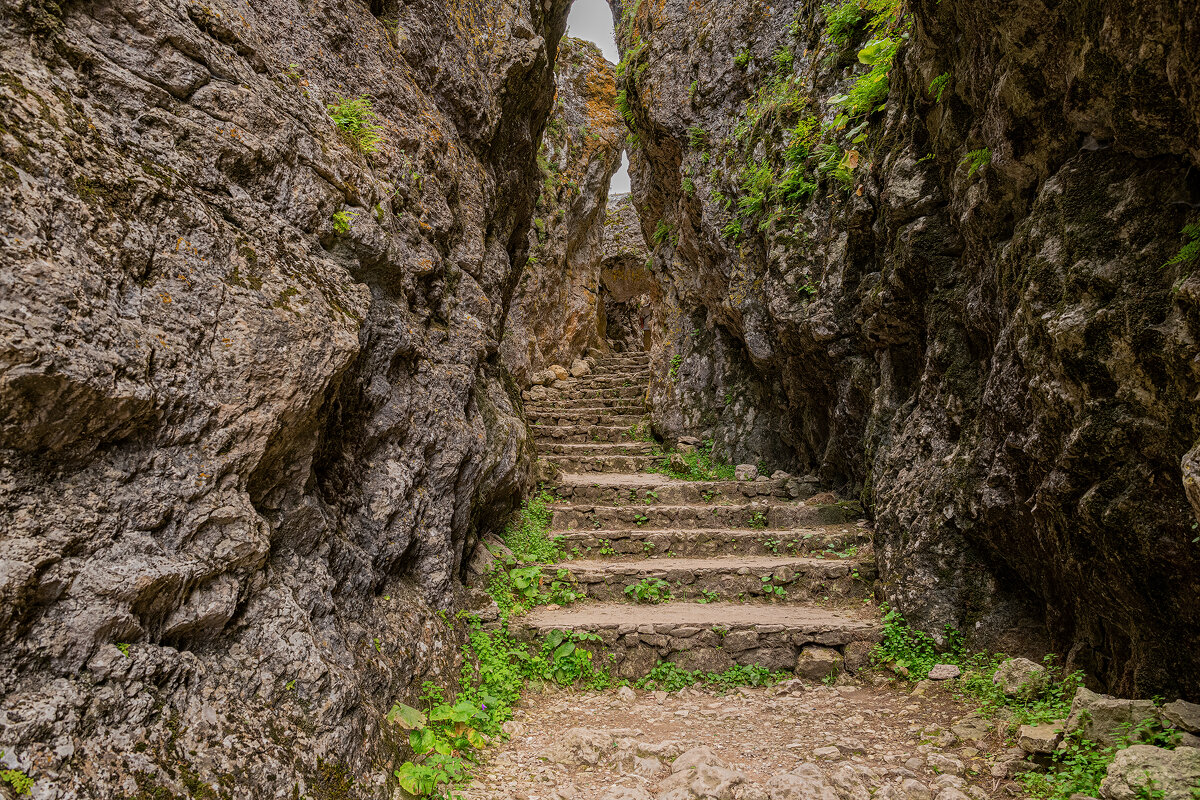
x=961 y=309
x=557 y=312
x=250 y=410
x=1142 y=769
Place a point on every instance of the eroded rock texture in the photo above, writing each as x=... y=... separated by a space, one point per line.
x=557 y=316
x=251 y=407
x=960 y=308
x=628 y=290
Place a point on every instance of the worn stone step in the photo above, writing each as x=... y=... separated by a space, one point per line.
x=601 y=463
x=577 y=449
x=593 y=392
x=745 y=578
x=594 y=416
x=621 y=369
x=756 y=515
x=832 y=539
x=582 y=433
x=629 y=405
x=713 y=637
x=641 y=379
x=562 y=418
x=652 y=488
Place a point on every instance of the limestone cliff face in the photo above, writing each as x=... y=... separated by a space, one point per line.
x=557 y=315
x=922 y=252
x=251 y=407
x=628 y=290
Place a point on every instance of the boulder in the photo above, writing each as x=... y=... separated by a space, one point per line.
x=626 y=696
x=944 y=672
x=857 y=655
x=1183 y=715
x=580 y=369
x=939 y=762
x=537 y=394
x=560 y=372
x=707 y=781
x=1105 y=719
x=1020 y=677
x=1144 y=771
x=745 y=472
x=544 y=378
x=817 y=662
x=695 y=757
x=627 y=793
x=678 y=463
x=1040 y=738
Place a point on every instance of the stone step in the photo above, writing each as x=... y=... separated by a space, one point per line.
x=593 y=393
x=848 y=540
x=641 y=379
x=562 y=418
x=755 y=515
x=601 y=463
x=777 y=579
x=639 y=355
x=578 y=449
x=624 y=404
x=714 y=636
x=652 y=488
x=620 y=369
x=582 y=433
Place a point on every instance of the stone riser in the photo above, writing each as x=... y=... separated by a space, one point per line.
x=570 y=448
x=564 y=419
x=598 y=405
x=729 y=587
x=593 y=433
x=601 y=463
x=774 y=516
x=674 y=493
x=636 y=379
x=699 y=543
x=635 y=652
x=627 y=393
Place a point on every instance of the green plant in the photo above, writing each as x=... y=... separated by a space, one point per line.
x=771 y=590
x=784 y=59
x=341 y=222
x=978 y=159
x=17 y=779
x=606 y=548
x=649 y=590
x=676 y=363
x=640 y=520
x=870 y=90
x=697 y=137
x=662 y=232
x=841 y=21
x=1079 y=764
x=742 y=59
x=124 y=648
x=938 y=85
x=732 y=230
x=292 y=73
x=528 y=533
x=1189 y=252
x=355 y=117
x=708 y=596
x=670 y=677
x=701 y=466
x=758 y=520
x=911 y=652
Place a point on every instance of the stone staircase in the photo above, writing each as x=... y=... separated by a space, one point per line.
x=752 y=575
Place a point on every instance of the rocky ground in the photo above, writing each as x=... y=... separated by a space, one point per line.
x=794 y=740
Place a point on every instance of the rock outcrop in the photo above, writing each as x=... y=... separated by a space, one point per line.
x=931 y=253
x=628 y=291
x=557 y=314
x=251 y=402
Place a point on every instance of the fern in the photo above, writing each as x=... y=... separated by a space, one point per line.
x=1191 y=248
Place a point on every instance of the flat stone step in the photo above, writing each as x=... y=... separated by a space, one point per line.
x=591 y=416
x=578 y=449
x=652 y=488
x=755 y=515
x=776 y=579
x=593 y=393
x=603 y=463
x=621 y=369
x=641 y=379
x=699 y=542
x=582 y=433
x=625 y=404
x=711 y=637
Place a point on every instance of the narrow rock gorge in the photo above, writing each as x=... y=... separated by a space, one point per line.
x=342 y=399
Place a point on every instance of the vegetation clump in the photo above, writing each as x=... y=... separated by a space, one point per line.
x=355 y=117
x=701 y=466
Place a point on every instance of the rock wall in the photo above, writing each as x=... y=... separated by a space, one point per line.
x=629 y=293
x=556 y=316
x=923 y=252
x=251 y=402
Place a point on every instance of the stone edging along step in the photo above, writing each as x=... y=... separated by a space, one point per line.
x=786 y=579
x=713 y=637
x=694 y=542
x=583 y=433
x=575 y=463
x=594 y=448
x=757 y=515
